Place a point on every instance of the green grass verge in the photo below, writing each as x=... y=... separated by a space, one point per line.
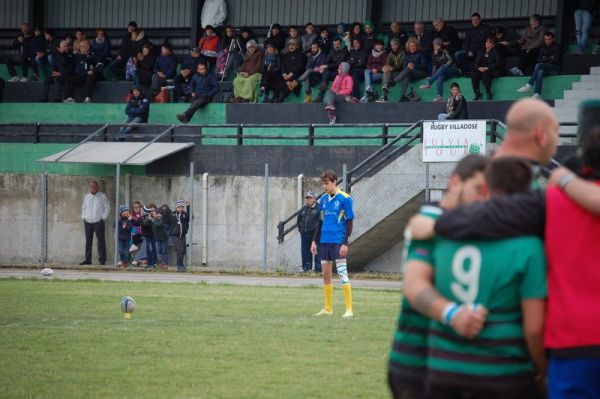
x=69 y=340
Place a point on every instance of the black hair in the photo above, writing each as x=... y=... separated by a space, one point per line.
x=379 y=41
x=454 y=84
x=469 y=165
x=537 y=17
x=549 y=34
x=337 y=39
x=476 y=14
x=132 y=23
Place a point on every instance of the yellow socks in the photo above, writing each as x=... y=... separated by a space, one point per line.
x=348 y=299
x=328 y=300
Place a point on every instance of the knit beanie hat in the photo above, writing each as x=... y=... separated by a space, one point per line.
x=345 y=67
x=369 y=24
x=123 y=208
x=145 y=211
x=179 y=203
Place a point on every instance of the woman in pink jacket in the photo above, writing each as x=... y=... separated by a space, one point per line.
x=341 y=89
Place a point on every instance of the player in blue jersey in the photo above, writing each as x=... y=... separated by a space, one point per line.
x=331 y=235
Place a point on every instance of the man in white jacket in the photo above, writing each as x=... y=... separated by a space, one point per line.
x=94 y=211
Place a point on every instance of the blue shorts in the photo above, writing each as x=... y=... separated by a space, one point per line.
x=329 y=252
x=573 y=378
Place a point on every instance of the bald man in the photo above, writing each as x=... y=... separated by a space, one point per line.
x=532 y=132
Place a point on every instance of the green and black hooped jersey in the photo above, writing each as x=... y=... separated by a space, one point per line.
x=499 y=275
x=408 y=356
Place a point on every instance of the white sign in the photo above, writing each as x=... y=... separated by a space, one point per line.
x=450 y=141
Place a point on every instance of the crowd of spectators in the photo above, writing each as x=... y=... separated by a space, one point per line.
x=295 y=60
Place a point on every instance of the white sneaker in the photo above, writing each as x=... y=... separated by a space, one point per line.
x=87 y=100
x=525 y=88
x=69 y=100
x=24 y=79
x=324 y=312
x=348 y=314
x=438 y=98
x=425 y=86
x=364 y=99
x=535 y=95
x=14 y=79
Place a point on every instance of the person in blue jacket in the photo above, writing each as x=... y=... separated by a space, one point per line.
x=137 y=110
x=204 y=87
x=164 y=68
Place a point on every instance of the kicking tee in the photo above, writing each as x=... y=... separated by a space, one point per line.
x=499 y=275
x=335 y=210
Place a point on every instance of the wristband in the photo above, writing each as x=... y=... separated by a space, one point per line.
x=449 y=312
x=566 y=179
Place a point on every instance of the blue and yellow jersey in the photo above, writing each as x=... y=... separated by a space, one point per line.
x=335 y=210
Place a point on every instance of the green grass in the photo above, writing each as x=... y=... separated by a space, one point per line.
x=67 y=339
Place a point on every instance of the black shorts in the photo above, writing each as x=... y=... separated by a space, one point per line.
x=329 y=252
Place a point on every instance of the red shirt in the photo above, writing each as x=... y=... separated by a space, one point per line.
x=573 y=251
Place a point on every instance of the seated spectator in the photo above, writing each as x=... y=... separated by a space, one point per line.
x=204 y=87
x=341 y=31
x=84 y=73
x=312 y=75
x=309 y=37
x=275 y=37
x=583 y=23
x=195 y=58
x=374 y=68
x=443 y=68
x=2 y=85
x=138 y=39
x=25 y=57
x=392 y=67
x=209 y=46
x=144 y=63
x=370 y=37
x=79 y=38
x=474 y=42
x=356 y=32
x=507 y=41
x=246 y=34
x=450 y=39
x=396 y=33
x=531 y=41
x=51 y=44
x=182 y=87
x=292 y=67
x=456 y=107
x=62 y=70
x=117 y=66
x=244 y=85
x=101 y=51
x=230 y=56
x=548 y=63
x=413 y=67
x=341 y=89
x=137 y=110
x=324 y=40
x=271 y=75
x=293 y=34
x=423 y=36
x=329 y=69
x=164 y=68
x=357 y=58
x=487 y=66
x=39 y=48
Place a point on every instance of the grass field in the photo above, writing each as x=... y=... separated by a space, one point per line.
x=65 y=339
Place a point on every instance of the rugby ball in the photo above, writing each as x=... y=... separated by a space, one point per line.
x=127 y=304
x=47 y=272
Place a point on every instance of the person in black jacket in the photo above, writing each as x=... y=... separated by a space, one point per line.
x=84 y=73
x=292 y=67
x=25 y=44
x=137 y=110
x=456 y=107
x=117 y=66
x=2 y=84
x=276 y=38
x=60 y=76
x=180 y=222
x=473 y=43
x=307 y=222
x=271 y=74
x=357 y=59
x=548 y=63
x=487 y=66
x=448 y=35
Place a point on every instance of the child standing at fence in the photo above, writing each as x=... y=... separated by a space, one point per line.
x=160 y=228
x=179 y=226
x=124 y=233
x=148 y=235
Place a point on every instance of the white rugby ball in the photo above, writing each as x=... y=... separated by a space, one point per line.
x=47 y=272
